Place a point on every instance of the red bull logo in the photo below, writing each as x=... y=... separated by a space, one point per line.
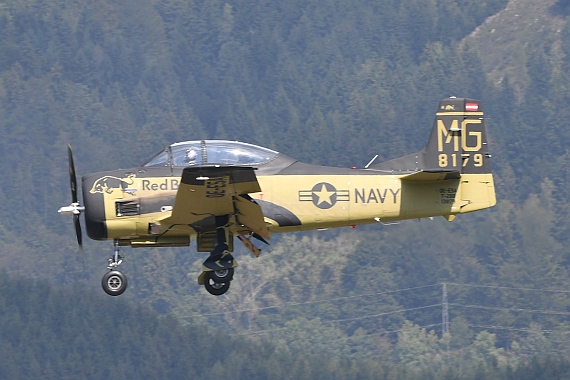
x=108 y=184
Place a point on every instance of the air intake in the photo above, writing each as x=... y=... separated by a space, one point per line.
x=127 y=208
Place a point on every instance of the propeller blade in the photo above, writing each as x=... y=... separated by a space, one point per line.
x=74 y=209
x=78 y=230
x=72 y=177
x=79 y=239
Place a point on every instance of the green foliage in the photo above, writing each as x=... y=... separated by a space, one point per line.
x=418 y=348
x=51 y=334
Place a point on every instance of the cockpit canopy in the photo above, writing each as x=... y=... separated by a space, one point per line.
x=220 y=152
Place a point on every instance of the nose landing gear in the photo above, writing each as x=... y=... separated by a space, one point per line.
x=114 y=282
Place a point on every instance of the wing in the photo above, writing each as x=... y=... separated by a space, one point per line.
x=209 y=191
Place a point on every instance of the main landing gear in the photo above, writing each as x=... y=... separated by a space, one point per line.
x=218 y=269
x=114 y=282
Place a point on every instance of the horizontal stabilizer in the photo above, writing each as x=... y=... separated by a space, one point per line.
x=432 y=175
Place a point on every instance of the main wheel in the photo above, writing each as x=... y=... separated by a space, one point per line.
x=222 y=275
x=215 y=288
x=114 y=283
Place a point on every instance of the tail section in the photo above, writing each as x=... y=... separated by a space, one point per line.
x=458 y=152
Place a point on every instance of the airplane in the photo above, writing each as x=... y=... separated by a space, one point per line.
x=214 y=190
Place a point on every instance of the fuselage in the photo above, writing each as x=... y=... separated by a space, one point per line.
x=128 y=204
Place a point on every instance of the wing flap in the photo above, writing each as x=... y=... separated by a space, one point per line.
x=250 y=215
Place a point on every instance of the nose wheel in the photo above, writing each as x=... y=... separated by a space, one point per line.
x=114 y=282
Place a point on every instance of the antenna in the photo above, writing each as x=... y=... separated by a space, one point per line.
x=370 y=162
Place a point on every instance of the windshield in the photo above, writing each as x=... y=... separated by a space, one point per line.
x=212 y=152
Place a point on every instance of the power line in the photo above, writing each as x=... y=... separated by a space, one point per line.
x=261 y=332
x=520 y=329
x=360 y=317
x=510 y=288
x=444 y=311
x=445 y=319
x=387 y=313
x=444 y=304
x=534 y=311
x=397 y=331
x=284 y=306
x=314 y=302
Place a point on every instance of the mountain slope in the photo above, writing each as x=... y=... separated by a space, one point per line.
x=508 y=39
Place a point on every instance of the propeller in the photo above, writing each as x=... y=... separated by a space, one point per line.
x=74 y=209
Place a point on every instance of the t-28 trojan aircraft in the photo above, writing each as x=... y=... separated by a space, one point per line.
x=215 y=190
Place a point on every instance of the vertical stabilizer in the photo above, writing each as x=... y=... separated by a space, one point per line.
x=458 y=140
x=457 y=144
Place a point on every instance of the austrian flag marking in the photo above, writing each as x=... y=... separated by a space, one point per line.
x=471 y=107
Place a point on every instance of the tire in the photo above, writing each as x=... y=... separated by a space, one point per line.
x=114 y=283
x=222 y=275
x=213 y=287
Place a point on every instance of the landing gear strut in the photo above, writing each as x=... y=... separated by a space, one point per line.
x=114 y=282
x=218 y=269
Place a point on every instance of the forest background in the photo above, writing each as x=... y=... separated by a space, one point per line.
x=327 y=82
